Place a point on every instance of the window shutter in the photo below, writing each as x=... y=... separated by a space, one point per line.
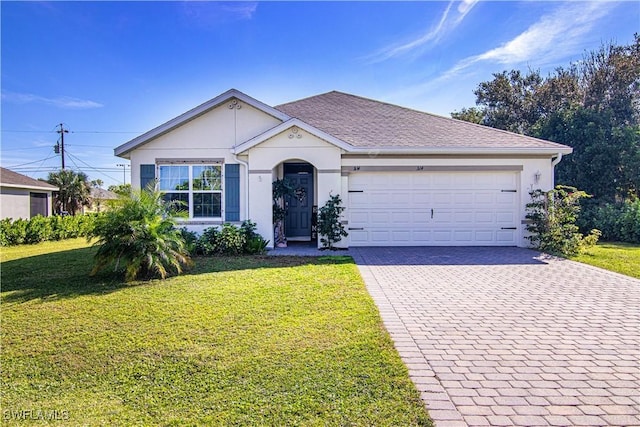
x=232 y=192
x=147 y=175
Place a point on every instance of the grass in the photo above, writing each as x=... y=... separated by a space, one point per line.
x=236 y=341
x=619 y=257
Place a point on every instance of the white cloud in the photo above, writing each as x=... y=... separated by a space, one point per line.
x=65 y=102
x=448 y=22
x=554 y=36
x=211 y=14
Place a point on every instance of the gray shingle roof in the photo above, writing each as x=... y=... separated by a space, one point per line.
x=366 y=123
x=14 y=179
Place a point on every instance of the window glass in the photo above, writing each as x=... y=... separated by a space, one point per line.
x=201 y=197
x=207 y=178
x=174 y=178
x=207 y=205
x=179 y=201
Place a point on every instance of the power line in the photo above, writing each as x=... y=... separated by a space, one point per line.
x=29 y=163
x=90 y=167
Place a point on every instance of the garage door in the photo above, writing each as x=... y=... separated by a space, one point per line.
x=433 y=208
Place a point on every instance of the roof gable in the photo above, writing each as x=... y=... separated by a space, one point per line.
x=368 y=124
x=195 y=113
x=288 y=125
x=9 y=178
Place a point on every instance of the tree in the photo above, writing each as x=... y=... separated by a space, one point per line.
x=74 y=190
x=138 y=237
x=509 y=100
x=605 y=161
x=592 y=105
x=120 y=189
x=471 y=114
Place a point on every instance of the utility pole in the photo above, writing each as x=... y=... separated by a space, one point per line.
x=124 y=172
x=62 y=131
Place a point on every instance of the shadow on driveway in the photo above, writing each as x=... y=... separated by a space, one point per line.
x=436 y=255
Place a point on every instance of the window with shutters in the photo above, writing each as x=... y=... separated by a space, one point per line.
x=197 y=189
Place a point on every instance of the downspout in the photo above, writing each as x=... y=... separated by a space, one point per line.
x=554 y=162
x=246 y=180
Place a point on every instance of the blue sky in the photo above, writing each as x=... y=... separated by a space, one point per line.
x=112 y=70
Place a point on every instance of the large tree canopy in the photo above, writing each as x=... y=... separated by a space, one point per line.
x=592 y=106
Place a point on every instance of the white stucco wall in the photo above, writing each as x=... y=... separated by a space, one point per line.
x=209 y=136
x=265 y=162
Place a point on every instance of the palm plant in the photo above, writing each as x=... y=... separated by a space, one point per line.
x=138 y=237
x=74 y=190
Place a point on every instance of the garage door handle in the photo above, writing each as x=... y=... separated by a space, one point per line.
x=431 y=213
x=508 y=228
x=356 y=228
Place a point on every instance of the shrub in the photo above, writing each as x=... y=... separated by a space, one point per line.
x=329 y=225
x=40 y=229
x=230 y=240
x=13 y=232
x=552 y=215
x=138 y=238
x=255 y=244
x=617 y=221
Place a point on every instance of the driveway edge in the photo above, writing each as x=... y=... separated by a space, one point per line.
x=441 y=409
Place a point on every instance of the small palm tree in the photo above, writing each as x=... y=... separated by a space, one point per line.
x=74 y=190
x=138 y=237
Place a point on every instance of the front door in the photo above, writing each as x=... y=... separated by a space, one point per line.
x=300 y=204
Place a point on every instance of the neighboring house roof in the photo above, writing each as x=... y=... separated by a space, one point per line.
x=370 y=124
x=102 y=194
x=358 y=124
x=9 y=178
x=194 y=113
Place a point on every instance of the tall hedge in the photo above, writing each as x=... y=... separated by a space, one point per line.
x=40 y=229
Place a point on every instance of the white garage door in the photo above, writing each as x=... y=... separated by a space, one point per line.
x=433 y=208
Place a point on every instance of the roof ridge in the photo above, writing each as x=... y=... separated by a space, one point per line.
x=437 y=116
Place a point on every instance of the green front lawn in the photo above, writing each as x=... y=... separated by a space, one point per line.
x=619 y=257
x=236 y=341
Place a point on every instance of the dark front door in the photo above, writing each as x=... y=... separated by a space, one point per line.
x=299 y=205
x=38 y=204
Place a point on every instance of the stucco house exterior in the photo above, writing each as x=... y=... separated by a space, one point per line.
x=406 y=177
x=24 y=197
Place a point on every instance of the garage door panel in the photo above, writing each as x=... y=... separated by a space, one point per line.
x=463 y=217
x=505 y=217
x=400 y=218
x=416 y=208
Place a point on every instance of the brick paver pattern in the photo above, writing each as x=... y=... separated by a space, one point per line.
x=509 y=337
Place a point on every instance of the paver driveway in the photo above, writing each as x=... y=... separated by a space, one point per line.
x=503 y=336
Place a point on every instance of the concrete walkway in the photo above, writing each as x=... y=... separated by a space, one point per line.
x=505 y=337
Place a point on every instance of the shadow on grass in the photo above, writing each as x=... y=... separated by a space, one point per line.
x=65 y=274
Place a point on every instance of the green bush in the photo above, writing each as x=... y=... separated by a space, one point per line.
x=617 y=221
x=330 y=228
x=40 y=229
x=230 y=240
x=552 y=219
x=13 y=232
x=138 y=238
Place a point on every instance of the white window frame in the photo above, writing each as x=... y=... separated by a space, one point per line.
x=191 y=192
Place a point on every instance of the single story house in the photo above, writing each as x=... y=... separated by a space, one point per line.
x=100 y=199
x=24 y=197
x=405 y=177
